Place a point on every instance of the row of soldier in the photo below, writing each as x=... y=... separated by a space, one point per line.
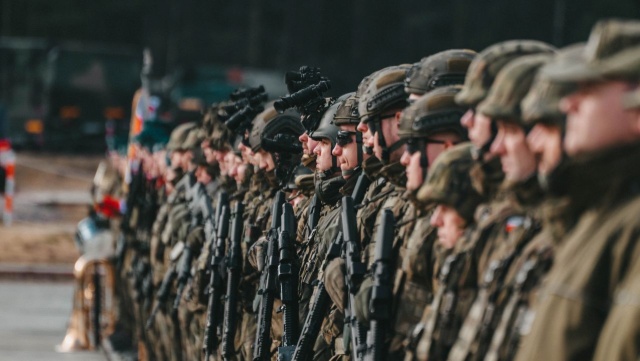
x=469 y=206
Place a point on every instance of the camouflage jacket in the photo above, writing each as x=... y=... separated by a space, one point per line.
x=586 y=303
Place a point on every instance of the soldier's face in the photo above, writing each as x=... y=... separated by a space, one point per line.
x=186 y=158
x=389 y=128
x=160 y=160
x=478 y=127
x=367 y=137
x=225 y=162
x=415 y=173
x=324 y=161
x=545 y=141
x=518 y=161
x=450 y=225
x=202 y=176
x=308 y=144
x=347 y=154
x=209 y=153
x=246 y=152
x=265 y=160
x=596 y=118
x=176 y=159
x=238 y=172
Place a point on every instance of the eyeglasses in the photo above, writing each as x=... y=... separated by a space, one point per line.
x=418 y=144
x=344 y=137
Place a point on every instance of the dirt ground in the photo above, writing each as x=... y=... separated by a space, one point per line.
x=52 y=196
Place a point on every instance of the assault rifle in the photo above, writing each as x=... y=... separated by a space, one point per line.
x=355 y=333
x=288 y=277
x=314 y=214
x=199 y=207
x=267 y=290
x=380 y=304
x=163 y=294
x=319 y=306
x=234 y=273
x=216 y=281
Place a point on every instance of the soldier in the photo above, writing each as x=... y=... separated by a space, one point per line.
x=449 y=187
x=541 y=114
x=502 y=106
x=380 y=109
x=328 y=183
x=441 y=69
x=167 y=228
x=273 y=140
x=430 y=126
x=584 y=297
x=480 y=77
x=618 y=338
x=439 y=327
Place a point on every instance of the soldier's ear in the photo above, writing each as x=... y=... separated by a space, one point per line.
x=398 y=116
x=636 y=121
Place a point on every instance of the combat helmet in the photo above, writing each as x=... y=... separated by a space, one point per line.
x=434 y=112
x=485 y=67
x=511 y=85
x=541 y=104
x=364 y=83
x=278 y=133
x=346 y=114
x=447 y=67
x=449 y=182
x=179 y=135
x=193 y=139
x=328 y=130
x=384 y=93
x=611 y=52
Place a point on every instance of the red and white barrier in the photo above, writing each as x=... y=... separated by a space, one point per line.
x=8 y=162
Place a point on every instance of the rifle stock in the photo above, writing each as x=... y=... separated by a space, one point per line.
x=234 y=273
x=162 y=295
x=288 y=277
x=268 y=284
x=355 y=271
x=380 y=304
x=216 y=283
x=320 y=304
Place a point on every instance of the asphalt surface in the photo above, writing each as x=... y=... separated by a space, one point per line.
x=33 y=321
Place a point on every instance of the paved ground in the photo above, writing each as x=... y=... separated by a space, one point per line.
x=34 y=318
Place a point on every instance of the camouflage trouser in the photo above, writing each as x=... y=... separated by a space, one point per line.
x=162 y=337
x=192 y=323
x=124 y=312
x=248 y=335
x=168 y=332
x=321 y=350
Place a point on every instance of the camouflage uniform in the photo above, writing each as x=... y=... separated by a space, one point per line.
x=168 y=229
x=256 y=207
x=267 y=126
x=463 y=270
x=433 y=113
x=587 y=302
x=529 y=268
x=370 y=106
x=510 y=86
